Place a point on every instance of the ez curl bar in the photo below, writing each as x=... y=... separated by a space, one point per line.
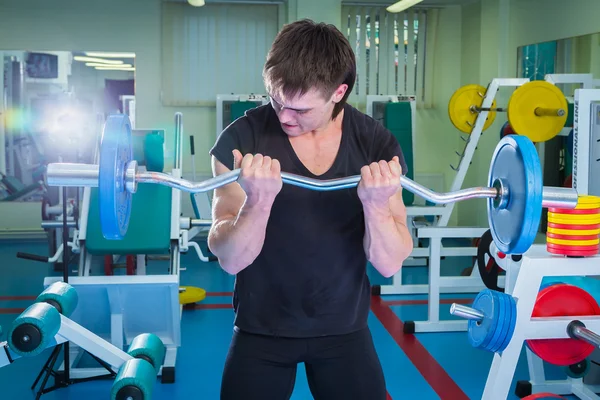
x=515 y=197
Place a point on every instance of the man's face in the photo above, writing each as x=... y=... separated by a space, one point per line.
x=306 y=113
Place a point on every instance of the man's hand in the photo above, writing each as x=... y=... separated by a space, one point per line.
x=260 y=177
x=379 y=182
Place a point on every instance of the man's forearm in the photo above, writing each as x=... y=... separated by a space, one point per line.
x=239 y=240
x=387 y=240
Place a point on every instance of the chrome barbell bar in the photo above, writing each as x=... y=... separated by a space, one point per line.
x=87 y=175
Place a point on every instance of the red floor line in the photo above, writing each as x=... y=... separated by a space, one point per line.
x=207 y=306
x=11 y=310
x=428 y=367
x=421 y=302
x=388 y=397
x=9 y=298
x=218 y=294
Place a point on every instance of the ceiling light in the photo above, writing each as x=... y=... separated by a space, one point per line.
x=402 y=5
x=109 y=55
x=98 y=60
x=115 y=68
x=108 y=65
x=196 y=3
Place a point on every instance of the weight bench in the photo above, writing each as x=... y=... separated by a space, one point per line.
x=116 y=306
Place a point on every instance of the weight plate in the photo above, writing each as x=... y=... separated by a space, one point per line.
x=488 y=270
x=511 y=323
x=573 y=227
x=503 y=323
x=575 y=218
x=481 y=332
x=541 y=396
x=558 y=211
x=578 y=243
x=571 y=236
x=563 y=300
x=567 y=232
x=515 y=162
x=459 y=108
x=114 y=199
x=523 y=103
x=506 y=130
x=497 y=338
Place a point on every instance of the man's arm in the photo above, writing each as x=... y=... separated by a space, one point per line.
x=387 y=240
x=240 y=211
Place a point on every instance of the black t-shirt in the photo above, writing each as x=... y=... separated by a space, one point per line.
x=310 y=277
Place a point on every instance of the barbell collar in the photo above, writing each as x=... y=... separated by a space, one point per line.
x=466 y=312
x=549 y=112
x=577 y=330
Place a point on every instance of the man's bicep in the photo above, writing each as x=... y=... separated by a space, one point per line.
x=228 y=199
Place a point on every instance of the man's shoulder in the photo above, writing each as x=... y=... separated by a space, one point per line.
x=365 y=127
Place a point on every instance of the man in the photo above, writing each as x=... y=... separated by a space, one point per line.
x=299 y=255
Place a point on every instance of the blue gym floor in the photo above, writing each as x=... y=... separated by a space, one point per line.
x=424 y=365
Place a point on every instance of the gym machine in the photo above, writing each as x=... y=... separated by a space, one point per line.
x=47 y=324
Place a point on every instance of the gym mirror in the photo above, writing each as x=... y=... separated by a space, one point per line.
x=52 y=109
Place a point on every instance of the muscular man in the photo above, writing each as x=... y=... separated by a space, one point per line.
x=299 y=256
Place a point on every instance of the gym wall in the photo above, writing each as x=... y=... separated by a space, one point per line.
x=472 y=44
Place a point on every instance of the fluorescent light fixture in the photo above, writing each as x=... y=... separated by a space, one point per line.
x=97 y=60
x=196 y=3
x=402 y=5
x=115 y=68
x=108 y=65
x=109 y=55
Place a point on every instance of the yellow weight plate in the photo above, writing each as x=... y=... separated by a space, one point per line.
x=572 y=242
x=574 y=217
x=579 y=221
x=590 y=206
x=522 y=110
x=461 y=102
x=589 y=200
x=191 y=294
x=574 y=232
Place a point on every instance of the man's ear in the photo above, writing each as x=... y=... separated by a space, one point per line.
x=339 y=93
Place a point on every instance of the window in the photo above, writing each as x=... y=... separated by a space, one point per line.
x=217 y=48
x=390 y=51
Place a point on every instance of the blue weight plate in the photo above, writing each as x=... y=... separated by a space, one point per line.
x=481 y=332
x=503 y=320
x=507 y=303
x=114 y=199
x=516 y=163
x=511 y=323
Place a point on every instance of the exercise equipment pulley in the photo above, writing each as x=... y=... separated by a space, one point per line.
x=536 y=109
x=515 y=195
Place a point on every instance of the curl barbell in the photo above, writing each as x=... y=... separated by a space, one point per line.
x=536 y=109
x=515 y=197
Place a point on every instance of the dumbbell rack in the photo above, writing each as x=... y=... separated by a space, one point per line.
x=536 y=264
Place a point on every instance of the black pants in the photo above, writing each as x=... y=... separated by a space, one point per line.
x=337 y=367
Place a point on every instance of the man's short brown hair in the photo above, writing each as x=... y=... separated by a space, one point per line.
x=307 y=55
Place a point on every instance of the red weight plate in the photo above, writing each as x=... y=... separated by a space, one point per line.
x=573 y=227
x=543 y=396
x=573 y=253
x=594 y=247
x=571 y=237
x=573 y=211
x=563 y=300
